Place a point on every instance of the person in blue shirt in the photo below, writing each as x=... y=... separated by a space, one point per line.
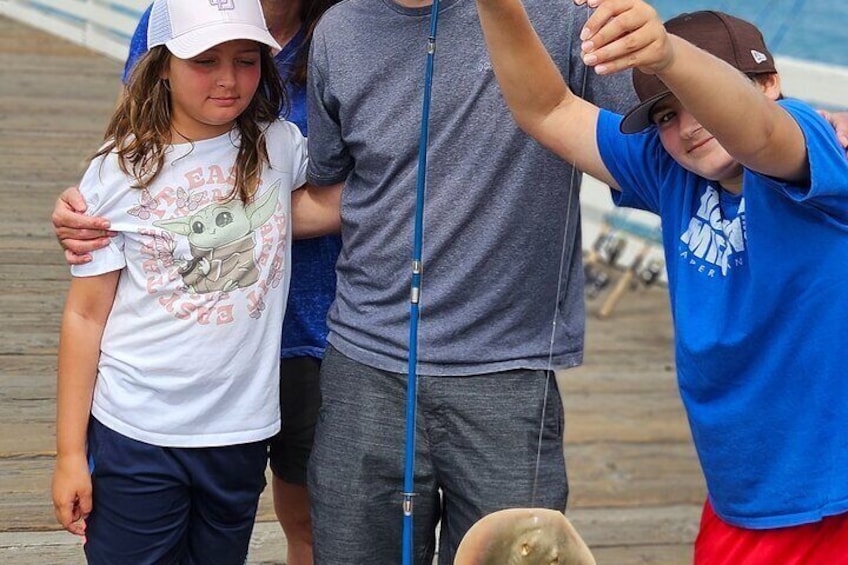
x=312 y=287
x=752 y=191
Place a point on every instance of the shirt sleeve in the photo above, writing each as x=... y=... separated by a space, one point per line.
x=138 y=44
x=638 y=163
x=330 y=160
x=287 y=151
x=827 y=188
x=99 y=186
x=299 y=156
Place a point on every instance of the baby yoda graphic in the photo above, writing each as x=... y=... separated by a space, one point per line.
x=220 y=236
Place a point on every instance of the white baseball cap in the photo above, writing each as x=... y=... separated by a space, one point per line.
x=190 y=27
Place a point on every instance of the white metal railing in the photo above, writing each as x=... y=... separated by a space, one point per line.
x=104 y=26
x=820 y=84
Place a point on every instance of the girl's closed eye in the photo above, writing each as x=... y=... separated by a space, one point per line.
x=204 y=61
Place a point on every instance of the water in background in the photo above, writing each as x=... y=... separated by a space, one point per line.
x=804 y=29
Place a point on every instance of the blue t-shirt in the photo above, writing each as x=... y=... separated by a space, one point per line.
x=760 y=309
x=313 y=281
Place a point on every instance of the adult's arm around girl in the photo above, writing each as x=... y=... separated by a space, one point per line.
x=316 y=210
x=78 y=234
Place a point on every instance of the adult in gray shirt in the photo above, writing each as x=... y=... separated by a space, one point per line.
x=495 y=210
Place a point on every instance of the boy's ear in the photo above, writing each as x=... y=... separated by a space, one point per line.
x=770 y=85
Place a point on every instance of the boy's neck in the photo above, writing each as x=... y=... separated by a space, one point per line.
x=734 y=185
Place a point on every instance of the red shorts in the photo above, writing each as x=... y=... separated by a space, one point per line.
x=819 y=543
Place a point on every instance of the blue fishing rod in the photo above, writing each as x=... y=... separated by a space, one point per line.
x=415 y=295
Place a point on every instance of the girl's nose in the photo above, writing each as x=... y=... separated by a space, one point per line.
x=226 y=76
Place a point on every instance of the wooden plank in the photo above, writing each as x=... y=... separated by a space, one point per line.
x=620 y=475
x=29 y=302
x=25 y=492
x=54 y=271
x=644 y=555
x=267 y=547
x=627 y=417
x=26 y=367
x=630 y=527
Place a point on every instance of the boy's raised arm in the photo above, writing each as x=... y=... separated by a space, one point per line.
x=755 y=130
x=535 y=90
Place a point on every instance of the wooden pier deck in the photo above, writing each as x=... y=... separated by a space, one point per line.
x=636 y=487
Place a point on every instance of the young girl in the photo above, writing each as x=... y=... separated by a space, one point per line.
x=168 y=357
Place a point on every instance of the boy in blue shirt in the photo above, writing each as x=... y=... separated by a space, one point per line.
x=752 y=191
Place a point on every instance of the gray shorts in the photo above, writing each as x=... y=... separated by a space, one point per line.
x=477 y=441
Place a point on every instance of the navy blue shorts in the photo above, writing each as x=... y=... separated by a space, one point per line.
x=171 y=505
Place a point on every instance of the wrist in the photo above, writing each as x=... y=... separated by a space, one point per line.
x=666 y=62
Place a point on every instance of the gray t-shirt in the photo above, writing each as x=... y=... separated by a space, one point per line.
x=496 y=202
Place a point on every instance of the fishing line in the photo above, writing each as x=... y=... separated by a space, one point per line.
x=562 y=285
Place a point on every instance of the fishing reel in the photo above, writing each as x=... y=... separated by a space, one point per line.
x=597 y=279
x=606 y=250
x=651 y=272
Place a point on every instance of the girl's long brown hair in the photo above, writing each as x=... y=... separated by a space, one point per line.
x=140 y=128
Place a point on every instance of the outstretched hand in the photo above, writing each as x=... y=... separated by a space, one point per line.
x=78 y=234
x=623 y=34
x=839 y=121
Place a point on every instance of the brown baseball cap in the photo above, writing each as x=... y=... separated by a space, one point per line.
x=731 y=39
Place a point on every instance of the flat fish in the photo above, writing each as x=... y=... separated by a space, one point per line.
x=523 y=536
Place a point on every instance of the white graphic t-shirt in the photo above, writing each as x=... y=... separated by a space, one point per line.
x=190 y=353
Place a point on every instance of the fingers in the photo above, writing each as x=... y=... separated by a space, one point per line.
x=839 y=121
x=623 y=34
x=84 y=504
x=83 y=246
x=71 y=516
x=617 y=47
x=82 y=240
x=72 y=258
x=66 y=217
x=70 y=223
x=77 y=528
x=72 y=197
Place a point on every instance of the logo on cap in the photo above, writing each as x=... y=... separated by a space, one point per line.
x=223 y=4
x=759 y=57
